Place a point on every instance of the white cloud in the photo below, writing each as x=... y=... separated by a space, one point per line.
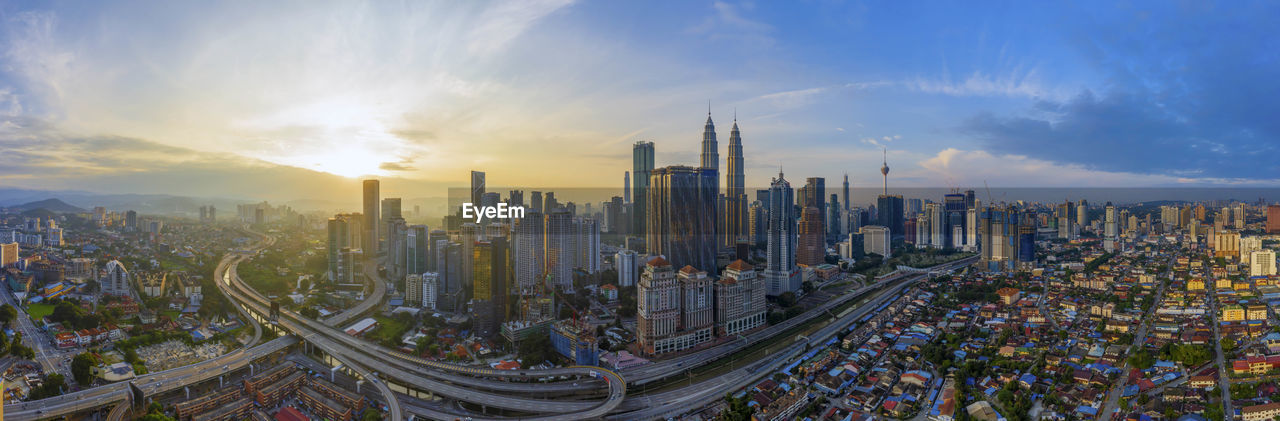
x=498 y=25
x=974 y=167
x=1015 y=83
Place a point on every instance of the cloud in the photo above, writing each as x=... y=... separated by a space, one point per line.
x=1015 y=83
x=729 y=23
x=975 y=167
x=1184 y=98
x=1132 y=132
x=400 y=166
x=497 y=26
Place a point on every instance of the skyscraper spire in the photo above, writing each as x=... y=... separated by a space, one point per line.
x=884 y=170
x=710 y=157
x=846 y=191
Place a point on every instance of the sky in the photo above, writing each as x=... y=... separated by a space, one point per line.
x=290 y=100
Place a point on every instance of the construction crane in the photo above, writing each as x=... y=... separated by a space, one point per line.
x=989 y=200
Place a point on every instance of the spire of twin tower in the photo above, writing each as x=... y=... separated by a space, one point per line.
x=735 y=179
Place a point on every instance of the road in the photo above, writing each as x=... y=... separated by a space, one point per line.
x=1139 y=340
x=687 y=399
x=393 y=364
x=1224 y=382
x=47 y=355
x=640 y=375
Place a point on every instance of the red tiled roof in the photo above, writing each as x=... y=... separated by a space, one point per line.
x=740 y=265
x=290 y=414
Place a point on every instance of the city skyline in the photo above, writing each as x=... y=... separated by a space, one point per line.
x=95 y=99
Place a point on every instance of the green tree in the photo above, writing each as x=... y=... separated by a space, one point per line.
x=7 y=314
x=371 y=415
x=82 y=368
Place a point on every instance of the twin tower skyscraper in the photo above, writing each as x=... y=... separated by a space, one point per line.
x=682 y=211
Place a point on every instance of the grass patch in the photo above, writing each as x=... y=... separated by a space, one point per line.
x=39 y=311
x=388 y=332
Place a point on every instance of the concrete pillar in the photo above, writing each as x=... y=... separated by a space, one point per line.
x=358 y=384
x=219 y=382
x=188 y=390
x=250 y=369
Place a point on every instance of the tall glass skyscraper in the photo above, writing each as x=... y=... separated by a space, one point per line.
x=641 y=167
x=735 y=204
x=681 y=218
x=371 y=219
x=781 y=274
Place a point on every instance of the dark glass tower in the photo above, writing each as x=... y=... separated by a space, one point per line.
x=681 y=218
x=641 y=167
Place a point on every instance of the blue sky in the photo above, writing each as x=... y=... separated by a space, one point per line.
x=135 y=97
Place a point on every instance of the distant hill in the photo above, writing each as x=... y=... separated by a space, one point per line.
x=52 y=205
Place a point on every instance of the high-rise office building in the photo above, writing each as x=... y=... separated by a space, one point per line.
x=417 y=249
x=391 y=208
x=614 y=214
x=515 y=198
x=812 y=240
x=740 y=300
x=396 y=238
x=430 y=290
x=845 y=196
x=477 y=187
x=560 y=248
x=1082 y=213
x=116 y=281
x=131 y=220
x=735 y=205
x=814 y=194
x=658 y=312
x=8 y=254
x=489 y=286
x=781 y=274
x=1248 y=245
x=535 y=201
x=1008 y=242
x=1110 y=230
x=682 y=216
x=450 y=295
x=889 y=214
x=1262 y=263
x=372 y=221
x=955 y=209
x=587 y=240
x=528 y=251
x=626 y=262
x=1273 y=219
x=641 y=167
x=833 y=217
x=876 y=239
x=346 y=231
x=413 y=289
x=757 y=223
x=922 y=238
x=626 y=187
x=549 y=203
x=697 y=301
